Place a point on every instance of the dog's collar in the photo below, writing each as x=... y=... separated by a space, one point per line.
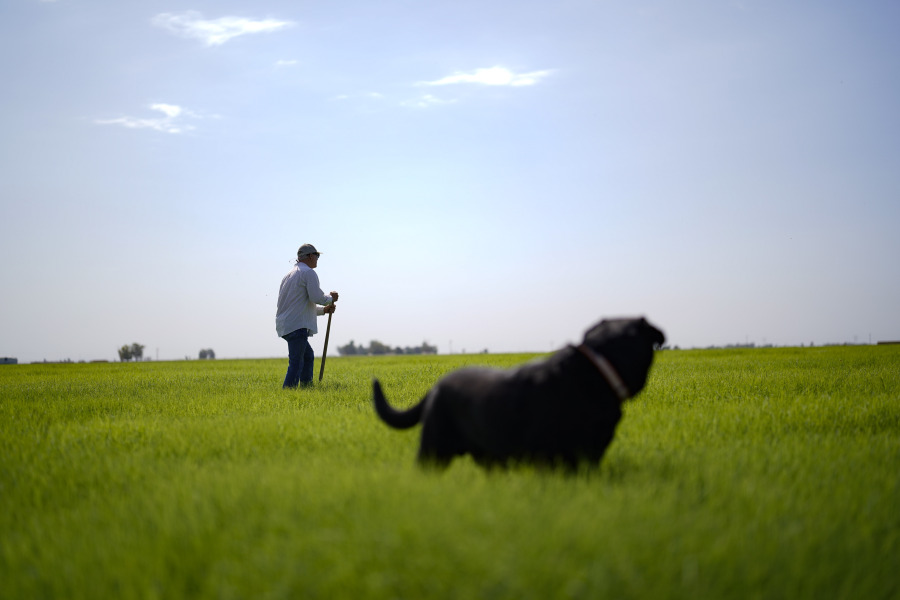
x=607 y=370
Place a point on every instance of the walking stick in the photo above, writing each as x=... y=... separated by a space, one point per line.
x=325 y=349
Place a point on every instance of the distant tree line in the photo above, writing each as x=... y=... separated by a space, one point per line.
x=377 y=348
x=136 y=352
x=132 y=352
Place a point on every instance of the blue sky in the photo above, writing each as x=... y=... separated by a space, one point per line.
x=479 y=175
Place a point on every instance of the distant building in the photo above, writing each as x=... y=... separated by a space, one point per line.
x=8 y=361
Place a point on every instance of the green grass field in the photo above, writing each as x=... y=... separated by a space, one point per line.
x=766 y=473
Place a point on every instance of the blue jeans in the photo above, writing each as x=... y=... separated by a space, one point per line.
x=300 y=359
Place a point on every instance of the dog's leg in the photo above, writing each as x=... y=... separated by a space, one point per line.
x=434 y=448
x=432 y=463
x=441 y=440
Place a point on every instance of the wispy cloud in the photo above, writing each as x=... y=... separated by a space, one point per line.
x=170 y=122
x=214 y=32
x=286 y=63
x=491 y=76
x=425 y=101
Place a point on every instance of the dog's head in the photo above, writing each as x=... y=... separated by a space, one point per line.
x=628 y=344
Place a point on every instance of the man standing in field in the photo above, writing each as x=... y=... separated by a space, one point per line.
x=295 y=320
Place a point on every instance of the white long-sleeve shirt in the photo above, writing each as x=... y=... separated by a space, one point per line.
x=298 y=298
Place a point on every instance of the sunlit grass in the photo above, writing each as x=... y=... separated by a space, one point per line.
x=763 y=473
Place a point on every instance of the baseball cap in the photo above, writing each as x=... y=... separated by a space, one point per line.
x=307 y=249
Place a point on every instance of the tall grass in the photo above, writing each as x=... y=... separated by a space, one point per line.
x=735 y=474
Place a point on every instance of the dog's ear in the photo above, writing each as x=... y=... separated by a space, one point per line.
x=595 y=330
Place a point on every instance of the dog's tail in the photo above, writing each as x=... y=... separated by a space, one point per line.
x=398 y=419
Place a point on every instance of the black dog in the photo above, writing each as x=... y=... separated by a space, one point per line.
x=559 y=411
